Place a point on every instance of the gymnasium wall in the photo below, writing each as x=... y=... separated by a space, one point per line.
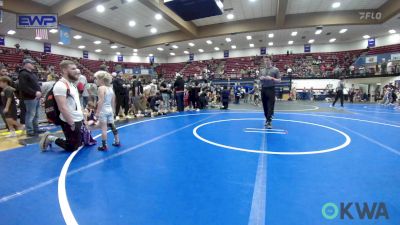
x=61 y=50
x=380 y=41
x=56 y=49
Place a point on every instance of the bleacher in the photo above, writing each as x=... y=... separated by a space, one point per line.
x=195 y=67
x=232 y=67
x=235 y=66
x=11 y=57
x=384 y=49
x=92 y=65
x=168 y=70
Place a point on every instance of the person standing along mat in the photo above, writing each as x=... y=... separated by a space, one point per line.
x=339 y=92
x=269 y=76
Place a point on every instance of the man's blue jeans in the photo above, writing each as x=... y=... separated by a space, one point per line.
x=32 y=116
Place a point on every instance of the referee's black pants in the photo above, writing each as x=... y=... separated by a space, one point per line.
x=339 y=94
x=268 y=101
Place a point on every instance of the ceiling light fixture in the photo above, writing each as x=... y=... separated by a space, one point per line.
x=271 y=35
x=343 y=30
x=158 y=16
x=311 y=41
x=11 y=32
x=366 y=36
x=114 y=46
x=270 y=43
x=186 y=52
x=336 y=5
x=175 y=46
x=230 y=16
x=228 y=39
x=216 y=49
x=248 y=37
x=332 y=40
x=209 y=42
x=81 y=46
x=171 y=53
x=100 y=8
x=201 y=50
x=77 y=37
x=251 y=45
x=290 y=42
x=53 y=31
x=191 y=44
x=98 y=50
x=233 y=46
x=160 y=49
x=392 y=31
x=294 y=33
x=132 y=23
x=97 y=42
x=153 y=30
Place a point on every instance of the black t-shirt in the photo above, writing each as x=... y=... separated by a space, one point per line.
x=179 y=84
x=164 y=85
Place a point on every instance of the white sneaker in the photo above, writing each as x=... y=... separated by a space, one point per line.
x=11 y=135
x=44 y=141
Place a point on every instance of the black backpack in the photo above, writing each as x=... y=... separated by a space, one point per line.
x=51 y=108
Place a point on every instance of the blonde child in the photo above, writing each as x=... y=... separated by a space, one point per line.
x=105 y=106
x=10 y=108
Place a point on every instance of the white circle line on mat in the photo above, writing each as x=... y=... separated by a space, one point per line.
x=343 y=145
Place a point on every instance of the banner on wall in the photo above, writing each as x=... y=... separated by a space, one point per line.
x=226 y=53
x=371 y=59
x=136 y=70
x=191 y=56
x=65 y=35
x=144 y=71
x=263 y=51
x=2 y=40
x=120 y=58
x=371 y=42
x=128 y=71
x=46 y=47
x=307 y=48
x=85 y=54
x=151 y=59
x=395 y=56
